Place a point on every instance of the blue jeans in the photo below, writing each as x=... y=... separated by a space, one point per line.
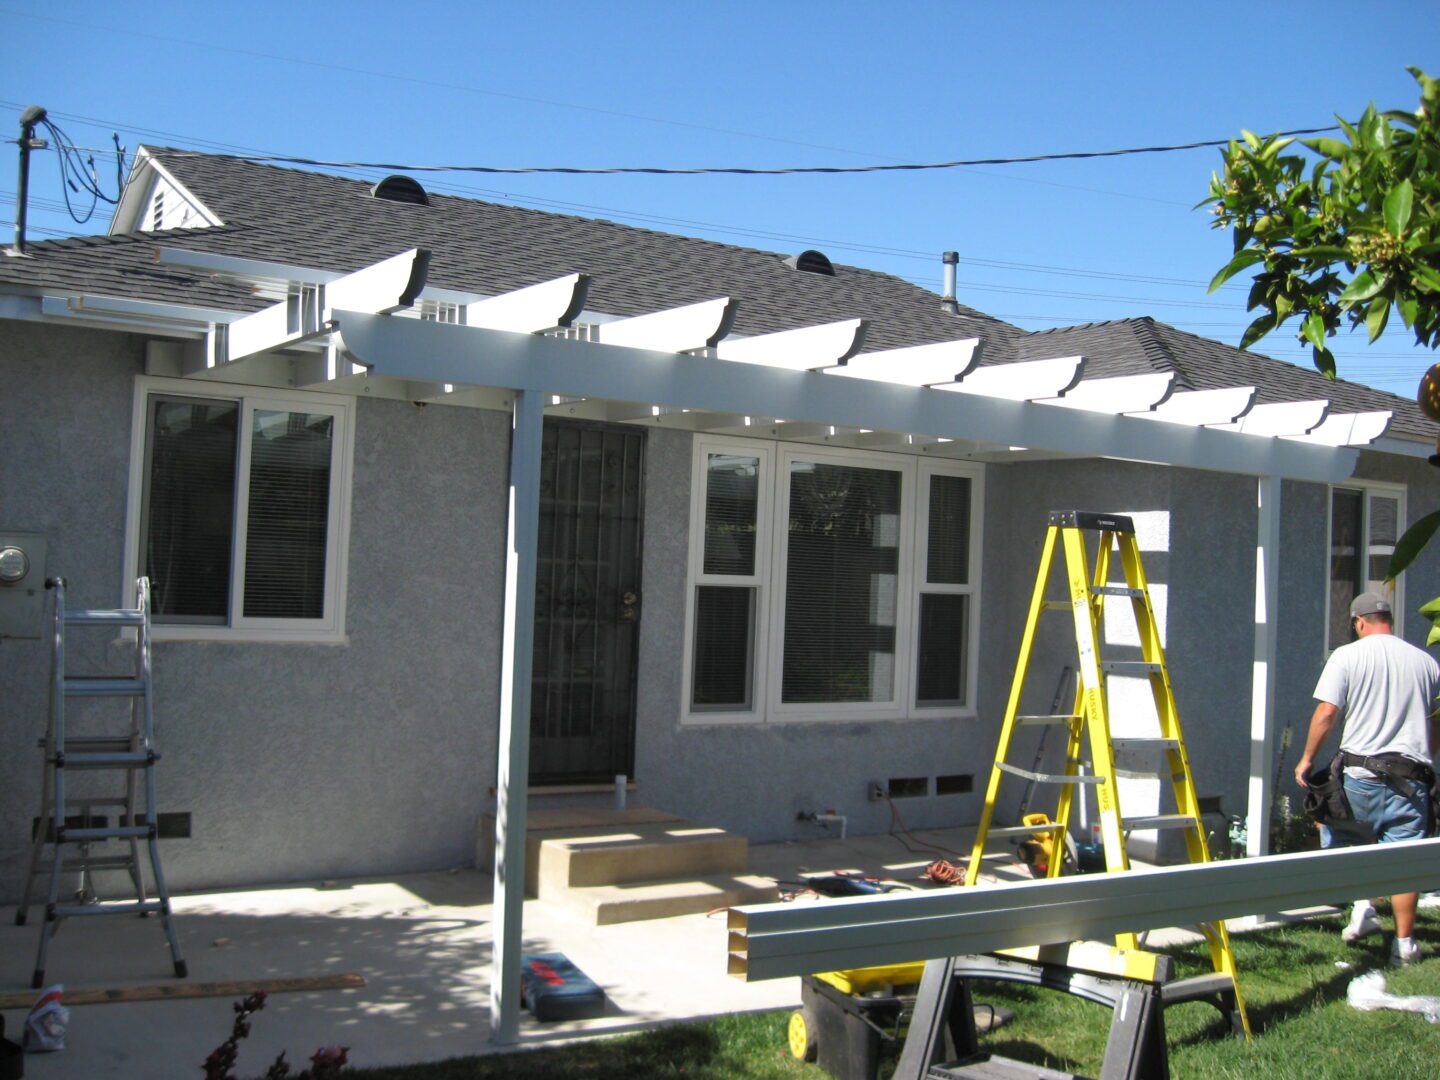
x=1390 y=812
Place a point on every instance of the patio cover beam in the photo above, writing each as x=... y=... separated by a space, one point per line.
x=446 y=353
x=771 y=941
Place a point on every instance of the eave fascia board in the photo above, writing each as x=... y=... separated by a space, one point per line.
x=769 y=941
x=1404 y=446
x=445 y=353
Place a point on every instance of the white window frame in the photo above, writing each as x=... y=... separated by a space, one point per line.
x=329 y=628
x=1366 y=488
x=770 y=574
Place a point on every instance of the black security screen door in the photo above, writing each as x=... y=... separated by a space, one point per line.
x=587 y=603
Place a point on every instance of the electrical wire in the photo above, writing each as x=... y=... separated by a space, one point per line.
x=74 y=175
x=729 y=170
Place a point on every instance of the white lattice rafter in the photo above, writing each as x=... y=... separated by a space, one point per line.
x=1025 y=380
x=1281 y=418
x=1348 y=429
x=917 y=365
x=534 y=308
x=802 y=349
x=1120 y=394
x=674 y=330
x=1221 y=406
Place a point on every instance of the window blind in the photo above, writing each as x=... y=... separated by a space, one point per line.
x=288 y=514
x=731 y=502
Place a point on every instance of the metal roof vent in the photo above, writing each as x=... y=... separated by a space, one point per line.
x=401 y=189
x=811 y=262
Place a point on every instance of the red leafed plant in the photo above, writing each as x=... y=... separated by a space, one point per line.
x=325 y=1063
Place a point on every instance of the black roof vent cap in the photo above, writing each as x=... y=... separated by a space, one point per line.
x=811 y=262
x=401 y=189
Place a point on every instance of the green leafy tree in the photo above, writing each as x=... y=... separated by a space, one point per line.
x=1348 y=234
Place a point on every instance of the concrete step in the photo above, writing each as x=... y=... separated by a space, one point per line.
x=605 y=905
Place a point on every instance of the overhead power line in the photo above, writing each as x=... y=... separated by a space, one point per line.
x=735 y=170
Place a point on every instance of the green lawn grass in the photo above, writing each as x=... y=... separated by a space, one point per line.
x=1304 y=1028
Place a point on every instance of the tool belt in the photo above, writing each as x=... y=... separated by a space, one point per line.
x=1399 y=767
x=1325 y=800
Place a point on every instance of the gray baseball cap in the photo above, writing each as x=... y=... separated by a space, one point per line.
x=1369 y=603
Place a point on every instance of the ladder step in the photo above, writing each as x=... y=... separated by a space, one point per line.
x=139 y=759
x=92 y=862
x=105 y=617
x=1023 y=830
x=1161 y=821
x=83 y=743
x=1049 y=778
x=1055 y=605
x=1039 y=718
x=1131 y=667
x=124 y=907
x=1116 y=590
x=86 y=686
x=1145 y=744
x=120 y=832
x=1196 y=987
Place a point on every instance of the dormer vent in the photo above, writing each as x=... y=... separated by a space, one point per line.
x=401 y=189
x=811 y=262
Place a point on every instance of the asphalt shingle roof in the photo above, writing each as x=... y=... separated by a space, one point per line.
x=334 y=223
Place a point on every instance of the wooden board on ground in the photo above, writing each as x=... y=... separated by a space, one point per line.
x=180 y=990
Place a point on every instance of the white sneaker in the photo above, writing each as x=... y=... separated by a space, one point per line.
x=1404 y=951
x=1363 y=922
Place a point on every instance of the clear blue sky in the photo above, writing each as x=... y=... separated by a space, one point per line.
x=766 y=84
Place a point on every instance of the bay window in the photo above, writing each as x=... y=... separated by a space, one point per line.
x=829 y=584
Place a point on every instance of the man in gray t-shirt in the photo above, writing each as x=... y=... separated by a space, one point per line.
x=1386 y=690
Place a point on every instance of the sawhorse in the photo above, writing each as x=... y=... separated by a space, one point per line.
x=942 y=1043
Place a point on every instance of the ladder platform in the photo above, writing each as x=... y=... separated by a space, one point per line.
x=119 y=907
x=120 y=832
x=1025 y=830
x=1161 y=821
x=105 y=617
x=130 y=759
x=1117 y=590
x=1131 y=667
x=92 y=686
x=1050 y=778
x=1145 y=743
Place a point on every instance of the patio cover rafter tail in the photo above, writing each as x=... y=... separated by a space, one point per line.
x=444 y=353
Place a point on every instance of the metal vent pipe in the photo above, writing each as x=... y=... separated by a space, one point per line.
x=951 y=259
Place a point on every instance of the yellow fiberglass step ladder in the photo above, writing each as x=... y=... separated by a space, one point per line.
x=1089 y=722
x=73 y=822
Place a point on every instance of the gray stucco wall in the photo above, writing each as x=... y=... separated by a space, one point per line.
x=377 y=755
x=295 y=760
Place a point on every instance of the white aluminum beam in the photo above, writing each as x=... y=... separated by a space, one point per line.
x=1026 y=380
x=918 y=365
x=804 y=349
x=771 y=941
x=447 y=353
x=1349 y=429
x=534 y=308
x=1280 y=418
x=1222 y=406
x=694 y=326
x=1263 y=671
x=1121 y=394
x=386 y=286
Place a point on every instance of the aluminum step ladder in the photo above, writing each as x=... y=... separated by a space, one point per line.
x=80 y=836
x=1087 y=724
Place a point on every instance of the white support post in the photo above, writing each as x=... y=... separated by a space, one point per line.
x=512 y=787
x=1262 y=687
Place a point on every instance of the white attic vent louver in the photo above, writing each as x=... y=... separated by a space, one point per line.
x=401 y=189
x=811 y=262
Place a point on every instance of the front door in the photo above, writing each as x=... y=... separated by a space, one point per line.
x=587 y=603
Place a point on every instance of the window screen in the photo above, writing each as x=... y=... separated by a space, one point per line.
x=731 y=500
x=1345 y=562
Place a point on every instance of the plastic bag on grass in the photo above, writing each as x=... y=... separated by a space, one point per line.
x=1367 y=993
x=45 y=1026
